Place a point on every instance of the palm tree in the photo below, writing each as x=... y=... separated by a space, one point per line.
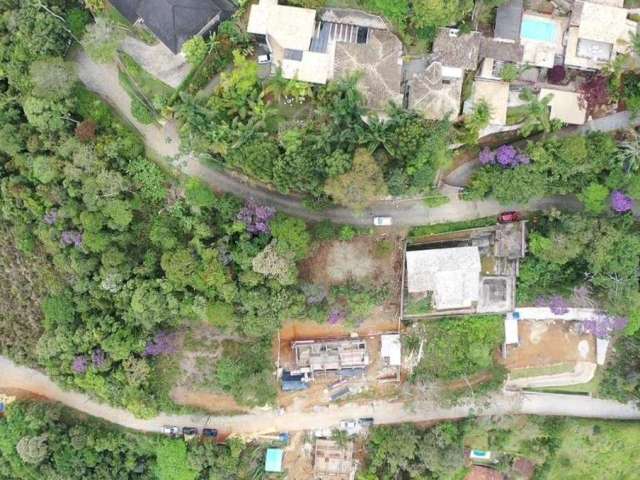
x=276 y=87
x=628 y=155
x=538 y=114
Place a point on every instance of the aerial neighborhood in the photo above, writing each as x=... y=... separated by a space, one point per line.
x=319 y=239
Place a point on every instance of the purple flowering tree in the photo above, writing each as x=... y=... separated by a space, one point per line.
x=256 y=217
x=80 y=364
x=620 y=202
x=98 y=358
x=164 y=343
x=50 y=217
x=557 y=304
x=71 y=237
x=336 y=316
x=506 y=156
x=603 y=325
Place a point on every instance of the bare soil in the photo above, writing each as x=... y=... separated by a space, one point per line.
x=218 y=403
x=545 y=343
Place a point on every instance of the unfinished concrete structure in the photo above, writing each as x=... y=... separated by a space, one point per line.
x=332 y=461
x=342 y=356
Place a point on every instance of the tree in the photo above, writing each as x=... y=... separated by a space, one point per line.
x=271 y=263
x=52 y=78
x=291 y=236
x=595 y=197
x=475 y=122
x=538 y=114
x=628 y=155
x=195 y=50
x=172 y=462
x=361 y=185
x=47 y=115
x=431 y=14
x=102 y=40
x=594 y=93
x=33 y=450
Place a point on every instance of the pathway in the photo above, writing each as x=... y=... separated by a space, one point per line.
x=103 y=79
x=261 y=421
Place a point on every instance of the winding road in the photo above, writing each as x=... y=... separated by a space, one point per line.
x=264 y=421
x=164 y=143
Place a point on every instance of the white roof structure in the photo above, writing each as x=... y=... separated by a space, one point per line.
x=565 y=106
x=291 y=27
x=602 y=23
x=452 y=274
x=391 y=349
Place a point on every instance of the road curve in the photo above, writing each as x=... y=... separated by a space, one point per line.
x=262 y=421
x=103 y=80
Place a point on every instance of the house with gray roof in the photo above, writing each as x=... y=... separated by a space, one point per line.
x=509 y=21
x=176 y=21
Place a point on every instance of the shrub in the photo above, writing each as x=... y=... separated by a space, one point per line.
x=141 y=112
x=557 y=74
x=347 y=233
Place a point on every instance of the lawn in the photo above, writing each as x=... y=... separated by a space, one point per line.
x=138 y=32
x=540 y=371
x=596 y=449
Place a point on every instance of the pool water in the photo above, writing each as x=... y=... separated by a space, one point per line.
x=540 y=30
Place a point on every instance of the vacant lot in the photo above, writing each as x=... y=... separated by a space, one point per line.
x=547 y=343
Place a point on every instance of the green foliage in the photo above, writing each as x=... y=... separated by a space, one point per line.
x=195 y=50
x=291 y=236
x=347 y=233
x=557 y=166
x=427 y=230
x=52 y=78
x=172 y=463
x=102 y=40
x=595 y=197
x=44 y=440
x=199 y=194
x=431 y=14
x=77 y=20
x=459 y=347
x=405 y=450
x=141 y=112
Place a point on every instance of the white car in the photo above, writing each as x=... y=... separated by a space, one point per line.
x=382 y=221
x=264 y=59
x=170 y=430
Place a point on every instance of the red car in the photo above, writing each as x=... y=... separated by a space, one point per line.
x=509 y=217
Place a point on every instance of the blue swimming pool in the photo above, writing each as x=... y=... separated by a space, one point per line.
x=538 y=29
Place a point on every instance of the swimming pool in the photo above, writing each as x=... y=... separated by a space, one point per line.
x=538 y=29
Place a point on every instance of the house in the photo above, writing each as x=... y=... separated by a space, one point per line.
x=508 y=21
x=338 y=42
x=346 y=357
x=598 y=31
x=294 y=382
x=391 y=349
x=333 y=461
x=466 y=272
x=176 y=21
x=273 y=460
x=565 y=106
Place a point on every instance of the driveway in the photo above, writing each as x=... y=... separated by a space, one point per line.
x=261 y=421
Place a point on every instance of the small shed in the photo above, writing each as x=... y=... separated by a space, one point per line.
x=511 y=328
x=293 y=382
x=273 y=460
x=391 y=349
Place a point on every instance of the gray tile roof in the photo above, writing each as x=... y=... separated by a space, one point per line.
x=457 y=51
x=509 y=20
x=501 y=51
x=175 y=21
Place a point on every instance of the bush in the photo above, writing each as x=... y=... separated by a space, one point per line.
x=141 y=112
x=347 y=233
x=77 y=20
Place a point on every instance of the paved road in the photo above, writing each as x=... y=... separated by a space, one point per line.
x=261 y=421
x=164 y=143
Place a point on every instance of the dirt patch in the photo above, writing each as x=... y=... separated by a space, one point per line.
x=298 y=461
x=373 y=258
x=545 y=343
x=218 y=403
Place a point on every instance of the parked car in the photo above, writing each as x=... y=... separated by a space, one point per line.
x=209 y=432
x=171 y=430
x=264 y=59
x=382 y=221
x=366 y=422
x=509 y=217
x=189 y=433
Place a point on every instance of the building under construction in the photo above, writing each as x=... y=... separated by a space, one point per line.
x=332 y=461
x=347 y=357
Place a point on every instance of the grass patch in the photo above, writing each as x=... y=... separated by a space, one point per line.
x=436 y=200
x=428 y=230
x=596 y=449
x=589 y=388
x=148 y=85
x=418 y=306
x=540 y=371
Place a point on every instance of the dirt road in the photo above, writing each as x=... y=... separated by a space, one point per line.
x=264 y=421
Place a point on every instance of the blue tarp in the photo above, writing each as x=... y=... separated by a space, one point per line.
x=293 y=383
